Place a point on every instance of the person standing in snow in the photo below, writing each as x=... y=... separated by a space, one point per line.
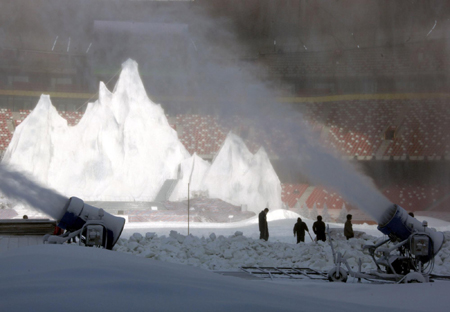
x=319 y=229
x=299 y=229
x=348 y=228
x=263 y=226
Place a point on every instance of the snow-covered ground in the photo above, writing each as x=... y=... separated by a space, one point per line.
x=70 y=278
x=140 y=275
x=225 y=246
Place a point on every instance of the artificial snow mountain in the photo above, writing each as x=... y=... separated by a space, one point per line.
x=241 y=178
x=123 y=149
x=192 y=172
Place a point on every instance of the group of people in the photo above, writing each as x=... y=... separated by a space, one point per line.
x=318 y=228
x=300 y=228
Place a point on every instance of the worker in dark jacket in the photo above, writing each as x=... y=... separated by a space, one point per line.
x=319 y=229
x=299 y=229
x=348 y=227
x=263 y=227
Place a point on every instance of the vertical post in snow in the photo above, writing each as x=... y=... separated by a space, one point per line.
x=190 y=178
x=188 y=208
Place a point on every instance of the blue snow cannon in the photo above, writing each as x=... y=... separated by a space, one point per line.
x=422 y=241
x=92 y=226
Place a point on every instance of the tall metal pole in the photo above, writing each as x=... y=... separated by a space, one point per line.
x=188 y=207
x=190 y=178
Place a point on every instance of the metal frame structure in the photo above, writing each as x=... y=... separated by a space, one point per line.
x=385 y=269
x=285 y=272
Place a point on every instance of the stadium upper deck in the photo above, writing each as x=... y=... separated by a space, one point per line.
x=399 y=128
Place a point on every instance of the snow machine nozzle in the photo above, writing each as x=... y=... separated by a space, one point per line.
x=400 y=226
x=93 y=226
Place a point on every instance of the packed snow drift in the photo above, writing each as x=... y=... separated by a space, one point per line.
x=54 y=277
x=230 y=246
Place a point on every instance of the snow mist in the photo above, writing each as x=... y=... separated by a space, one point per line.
x=322 y=167
x=357 y=188
x=16 y=185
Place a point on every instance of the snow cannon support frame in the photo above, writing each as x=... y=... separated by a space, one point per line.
x=409 y=259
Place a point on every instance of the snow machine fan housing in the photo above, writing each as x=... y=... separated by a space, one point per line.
x=92 y=225
x=400 y=226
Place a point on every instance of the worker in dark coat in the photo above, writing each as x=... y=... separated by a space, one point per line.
x=348 y=227
x=299 y=229
x=319 y=229
x=263 y=227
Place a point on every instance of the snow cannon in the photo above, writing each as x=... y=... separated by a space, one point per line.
x=422 y=241
x=407 y=256
x=92 y=226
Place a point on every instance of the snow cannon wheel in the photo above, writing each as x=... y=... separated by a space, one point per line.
x=414 y=277
x=332 y=275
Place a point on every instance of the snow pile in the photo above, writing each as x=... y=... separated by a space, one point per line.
x=241 y=178
x=8 y=213
x=280 y=214
x=192 y=171
x=124 y=149
x=225 y=253
x=236 y=176
x=36 y=139
x=21 y=209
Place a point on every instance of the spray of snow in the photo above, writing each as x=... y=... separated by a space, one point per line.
x=16 y=186
x=324 y=168
x=340 y=175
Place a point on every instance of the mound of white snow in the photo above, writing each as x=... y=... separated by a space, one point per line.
x=36 y=140
x=241 y=178
x=225 y=253
x=282 y=214
x=122 y=149
x=192 y=172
